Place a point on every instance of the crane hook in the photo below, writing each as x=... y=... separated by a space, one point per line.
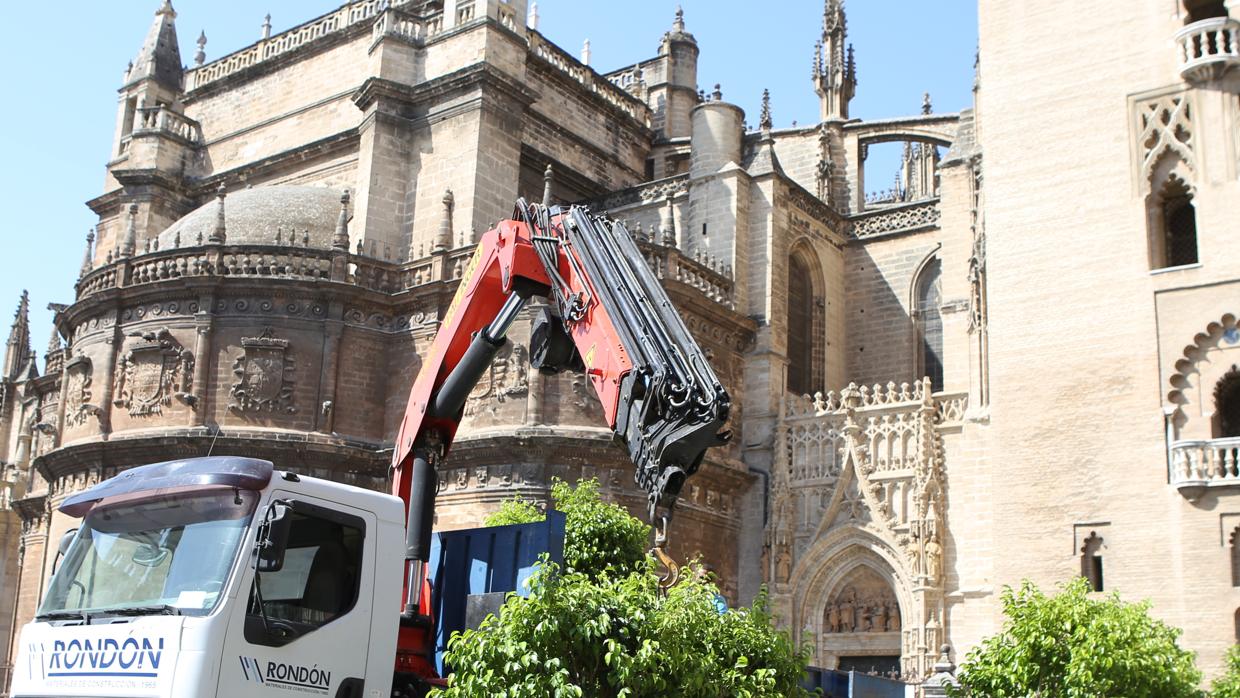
x=671 y=574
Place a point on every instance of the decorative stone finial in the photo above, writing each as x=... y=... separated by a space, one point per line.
x=267 y=26
x=532 y=19
x=764 y=119
x=166 y=9
x=443 y=241
x=218 y=236
x=129 y=243
x=717 y=95
x=340 y=239
x=201 y=56
x=678 y=24
x=585 y=52
x=926 y=108
x=547 y=175
x=88 y=258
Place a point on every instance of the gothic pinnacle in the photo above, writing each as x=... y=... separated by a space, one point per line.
x=267 y=26
x=547 y=175
x=926 y=108
x=340 y=239
x=717 y=95
x=443 y=241
x=166 y=9
x=53 y=343
x=219 y=234
x=764 y=120
x=129 y=243
x=201 y=56
x=88 y=257
x=18 y=347
x=678 y=25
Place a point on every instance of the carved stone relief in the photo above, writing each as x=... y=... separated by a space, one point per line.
x=152 y=372
x=264 y=373
x=508 y=376
x=77 y=391
x=864 y=603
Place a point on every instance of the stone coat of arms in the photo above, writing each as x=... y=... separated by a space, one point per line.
x=152 y=372
x=264 y=375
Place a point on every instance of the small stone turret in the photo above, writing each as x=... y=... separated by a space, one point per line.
x=676 y=91
x=717 y=130
x=159 y=59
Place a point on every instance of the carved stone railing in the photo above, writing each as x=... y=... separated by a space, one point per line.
x=887 y=417
x=1196 y=465
x=904 y=218
x=669 y=263
x=284 y=262
x=585 y=76
x=1208 y=48
x=285 y=42
x=408 y=27
x=162 y=120
x=647 y=193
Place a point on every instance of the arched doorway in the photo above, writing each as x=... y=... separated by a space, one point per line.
x=861 y=623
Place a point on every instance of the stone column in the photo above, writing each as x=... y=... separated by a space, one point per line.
x=204 y=322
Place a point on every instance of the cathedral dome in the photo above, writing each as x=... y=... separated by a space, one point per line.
x=262 y=216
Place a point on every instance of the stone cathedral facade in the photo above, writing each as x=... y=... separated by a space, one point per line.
x=1020 y=360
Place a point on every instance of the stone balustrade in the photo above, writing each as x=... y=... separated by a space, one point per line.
x=669 y=263
x=284 y=42
x=407 y=27
x=901 y=218
x=165 y=121
x=585 y=76
x=1196 y=464
x=1208 y=48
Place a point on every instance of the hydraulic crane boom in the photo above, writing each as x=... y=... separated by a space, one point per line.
x=608 y=316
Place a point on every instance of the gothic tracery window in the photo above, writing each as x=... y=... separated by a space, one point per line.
x=805 y=332
x=929 y=323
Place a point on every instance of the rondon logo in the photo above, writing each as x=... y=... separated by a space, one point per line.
x=130 y=657
x=288 y=676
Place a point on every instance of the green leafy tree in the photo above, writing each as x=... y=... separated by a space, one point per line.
x=601 y=627
x=600 y=537
x=1071 y=645
x=1228 y=685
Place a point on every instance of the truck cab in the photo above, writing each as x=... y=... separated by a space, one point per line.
x=219 y=576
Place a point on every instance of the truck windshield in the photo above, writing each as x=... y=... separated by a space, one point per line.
x=170 y=553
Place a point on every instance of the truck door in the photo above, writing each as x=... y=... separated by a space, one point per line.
x=304 y=630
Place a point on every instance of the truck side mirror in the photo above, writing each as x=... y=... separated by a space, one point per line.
x=273 y=536
x=62 y=548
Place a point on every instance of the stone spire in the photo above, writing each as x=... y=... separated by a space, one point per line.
x=585 y=52
x=532 y=20
x=17 y=349
x=129 y=243
x=764 y=117
x=835 y=73
x=443 y=241
x=160 y=56
x=267 y=26
x=200 y=56
x=218 y=236
x=547 y=176
x=340 y=239
x=88 y=258
x=53 y=343
x=678 y=24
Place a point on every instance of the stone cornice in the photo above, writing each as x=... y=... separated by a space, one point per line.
x=472 y=77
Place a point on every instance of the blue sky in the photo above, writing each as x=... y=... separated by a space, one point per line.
x=64 y=63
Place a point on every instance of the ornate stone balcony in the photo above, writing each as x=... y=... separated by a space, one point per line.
x=1208 y=48
x=1196 y=465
